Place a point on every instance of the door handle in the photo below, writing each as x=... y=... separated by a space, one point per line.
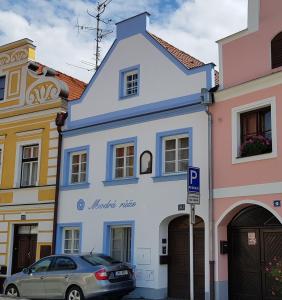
x=41 y=277
x=67 y=276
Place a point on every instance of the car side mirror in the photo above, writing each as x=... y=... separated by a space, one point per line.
x=26 y=271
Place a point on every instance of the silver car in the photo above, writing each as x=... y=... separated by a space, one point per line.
x=72 y=277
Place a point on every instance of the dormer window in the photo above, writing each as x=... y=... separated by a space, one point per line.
x=129 y=82
x=2 y=87
x=276 y=51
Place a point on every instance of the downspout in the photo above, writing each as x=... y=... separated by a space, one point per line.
x=208 y=99
x=60 y=121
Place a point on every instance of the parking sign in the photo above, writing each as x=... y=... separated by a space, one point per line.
x=193 y=186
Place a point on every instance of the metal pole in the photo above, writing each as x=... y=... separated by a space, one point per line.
x=191 y=241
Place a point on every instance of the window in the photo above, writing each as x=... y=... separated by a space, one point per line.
x=129 y=82
x=176 y=154
x=254 y=134
x=42 y=265
x=78 y=167
x=64 y=263
x=276 y=51
x=120 y=243
x=1 y=161
x=29 y=165
x=124 y=161
x=71 y=240
x=121 y=162
x=2 y=87
x=173 y=154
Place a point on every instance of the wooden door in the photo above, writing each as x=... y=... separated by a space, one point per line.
x=24 y=250
x=253 y=253
x=179 y=260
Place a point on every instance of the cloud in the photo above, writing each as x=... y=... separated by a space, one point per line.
x=191 y=25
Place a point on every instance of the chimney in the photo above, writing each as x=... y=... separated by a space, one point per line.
x=132 y=26
x=253 y=15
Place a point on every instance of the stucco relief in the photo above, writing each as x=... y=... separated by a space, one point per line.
x=12 y=57
x=45 y=88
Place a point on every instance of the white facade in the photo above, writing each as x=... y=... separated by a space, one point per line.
x=167 y=104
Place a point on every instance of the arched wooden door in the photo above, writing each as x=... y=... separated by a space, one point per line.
x=255 y=256
x=179 y=259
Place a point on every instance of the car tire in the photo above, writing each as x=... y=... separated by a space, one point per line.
x=12 y=291
x=74 y=293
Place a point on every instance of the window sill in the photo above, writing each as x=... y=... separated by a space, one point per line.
x=238 y=160
x=75 y=186
x=172 y=177
x=124 y=181
x=128 y=96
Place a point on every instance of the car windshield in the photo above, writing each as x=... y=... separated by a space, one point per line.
x=100 y=259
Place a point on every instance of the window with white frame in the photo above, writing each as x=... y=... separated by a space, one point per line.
x=124 y=161
x=71 y=240
x=131 y=83
x=29 y=165
x=78 y=168
x=176 y=154
x=120 y=243
x=2 y=87
x=1 y=161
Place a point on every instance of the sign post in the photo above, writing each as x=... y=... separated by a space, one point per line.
x=193 y=198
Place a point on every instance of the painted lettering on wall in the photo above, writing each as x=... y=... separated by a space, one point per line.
x=110 y=204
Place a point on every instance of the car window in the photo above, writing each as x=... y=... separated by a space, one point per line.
x=64 y=263
x=100 y=259
x=42 y=265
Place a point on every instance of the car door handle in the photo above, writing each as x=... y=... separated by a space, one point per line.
x=41 y=277
x=67 y=276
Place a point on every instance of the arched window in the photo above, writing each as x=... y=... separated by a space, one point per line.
x=276 y=51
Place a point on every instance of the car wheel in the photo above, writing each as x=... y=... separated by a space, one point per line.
x=12 y=291
x=74 y=293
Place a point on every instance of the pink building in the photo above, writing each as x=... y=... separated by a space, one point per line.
x=247 y=147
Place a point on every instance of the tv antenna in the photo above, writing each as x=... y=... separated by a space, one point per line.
x=100 y=32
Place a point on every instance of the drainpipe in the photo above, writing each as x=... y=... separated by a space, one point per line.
x=60 y=121
x=208 y=99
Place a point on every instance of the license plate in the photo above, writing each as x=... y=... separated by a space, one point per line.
x=121 y=273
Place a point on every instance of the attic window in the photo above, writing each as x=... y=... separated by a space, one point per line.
x=129 y=82
x=276 y=51
x=2 y=87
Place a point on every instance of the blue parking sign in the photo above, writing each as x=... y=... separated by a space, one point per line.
x=193 y=178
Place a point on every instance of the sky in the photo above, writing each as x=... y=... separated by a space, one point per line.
x=193 y=26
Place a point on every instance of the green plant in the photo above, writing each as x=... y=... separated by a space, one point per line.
x=274 y=270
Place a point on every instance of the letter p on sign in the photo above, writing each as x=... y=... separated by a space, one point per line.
x=193 y=180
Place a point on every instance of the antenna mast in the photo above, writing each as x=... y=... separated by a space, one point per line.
x=100 y=32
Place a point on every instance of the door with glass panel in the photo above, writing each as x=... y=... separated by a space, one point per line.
x=120 y=244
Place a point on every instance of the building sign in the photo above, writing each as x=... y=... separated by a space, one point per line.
x=110 y=204
x=252 y=241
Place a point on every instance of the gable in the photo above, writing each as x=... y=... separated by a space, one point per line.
x=162 y=77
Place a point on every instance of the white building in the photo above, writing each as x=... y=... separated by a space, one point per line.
x=126 y=148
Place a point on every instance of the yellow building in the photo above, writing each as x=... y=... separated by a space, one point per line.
x=31 y=95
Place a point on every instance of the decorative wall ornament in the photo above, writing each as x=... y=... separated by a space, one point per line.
x=4 y=59
x=19 y=55
x=45 y=88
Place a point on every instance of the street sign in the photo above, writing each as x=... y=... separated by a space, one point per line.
x=193 y=198
x=193 y=177
x=193 y=186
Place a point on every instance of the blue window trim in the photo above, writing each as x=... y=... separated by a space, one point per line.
x=66 y=171
x=59 y=239
x=159 y=175
x=110 y=163
x=107 y=236
x=122 y=73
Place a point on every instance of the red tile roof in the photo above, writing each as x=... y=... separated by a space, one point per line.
x=76 y=86
x=185 y=58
